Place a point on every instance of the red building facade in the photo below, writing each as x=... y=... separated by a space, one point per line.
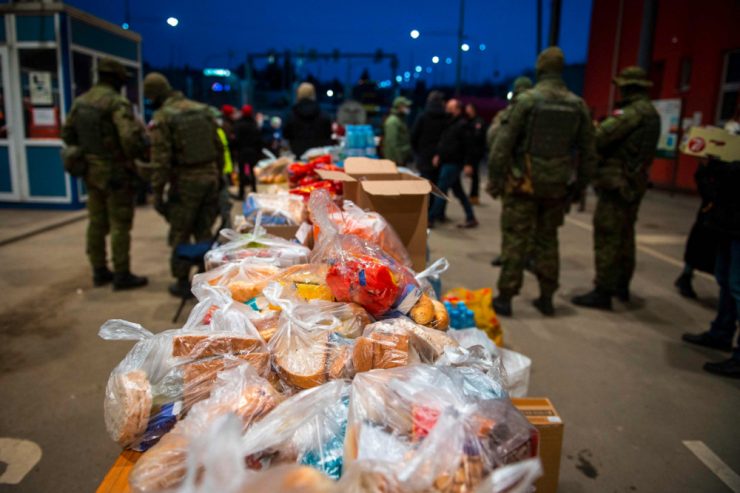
x=692 y=52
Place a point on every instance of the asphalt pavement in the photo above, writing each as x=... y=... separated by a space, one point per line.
x=639 y=412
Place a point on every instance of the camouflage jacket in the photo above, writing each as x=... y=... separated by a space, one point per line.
x=542 y=163
x=102 y=124
x=192 y=151
x=626 y=142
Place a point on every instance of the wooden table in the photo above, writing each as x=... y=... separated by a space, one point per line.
x=116 y=481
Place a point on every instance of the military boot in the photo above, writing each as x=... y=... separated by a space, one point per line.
x=598 y=298
x=623 y=294
x=544 y=305
x=502 y=305
x=180 y=288
x=127 y=280
x=101 y=276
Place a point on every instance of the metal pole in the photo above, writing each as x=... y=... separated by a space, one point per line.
x=539 y=27
x=554 y=22
x=645 y=53
x=460 y=36
x=615 y=54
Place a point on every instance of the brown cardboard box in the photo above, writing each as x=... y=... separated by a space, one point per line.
x=712 y=142
x=303 y=233
x=542 y=414
x=365 y=169
x=404 y=203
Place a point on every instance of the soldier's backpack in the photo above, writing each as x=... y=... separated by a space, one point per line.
x=95 y=129
x=73 y=160
x=552 y=130
x=193 y=132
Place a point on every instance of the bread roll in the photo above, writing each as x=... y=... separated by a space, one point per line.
x=423 y=311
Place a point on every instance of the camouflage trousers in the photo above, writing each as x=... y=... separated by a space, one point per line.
x=110 y=211
x=529 y=227
x=614 y=240
x=192 y=208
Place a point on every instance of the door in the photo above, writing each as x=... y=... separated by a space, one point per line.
x=9 y=189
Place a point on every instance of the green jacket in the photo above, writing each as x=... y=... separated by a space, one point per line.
x=533 y=152
x=626 y=142
x=396 y=140
x=185 y=143
x=102 y=124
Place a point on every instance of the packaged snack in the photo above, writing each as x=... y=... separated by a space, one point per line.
x=165 y=374
x=398 y=342
x=256 y=244
x=362 y=273
x=307 y=428
x=277 y=209
x=239 y=390
x=307 y=281
x=418 y=431
x=307 y=348
x=329 y=219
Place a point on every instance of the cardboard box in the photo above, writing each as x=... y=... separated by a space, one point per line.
x=542 y=414
x=303 y=233
x=360 y=169
x=712 y=142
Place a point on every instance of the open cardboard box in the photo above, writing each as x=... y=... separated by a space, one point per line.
x=543 y=415
x=712 y=142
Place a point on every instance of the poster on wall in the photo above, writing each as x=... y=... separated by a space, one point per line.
x=670 y=116
x=40 y=88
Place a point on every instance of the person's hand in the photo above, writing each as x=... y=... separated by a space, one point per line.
x=468 y=170
x=435 y=161
x=159 y=205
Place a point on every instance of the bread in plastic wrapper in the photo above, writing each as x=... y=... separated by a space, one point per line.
x=307 y=347
x=329 y=219
x=164 y=374
x=398 y=342
x=360 y=272
x=257 y=245
x=239 y=390
x=422 y=433
x=278 y=209
x=245 y=280
x=308 y=428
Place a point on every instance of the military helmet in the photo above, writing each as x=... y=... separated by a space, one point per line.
x=156 y=86
x=632 y=76
x=109 y=66
x=521 y=84
x=550 y=60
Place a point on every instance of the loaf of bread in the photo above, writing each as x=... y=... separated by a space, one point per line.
x=205 y=345
x=301 y=359
x=423 y=311
x=127 y=406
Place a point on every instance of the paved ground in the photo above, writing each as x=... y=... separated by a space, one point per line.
x=630 y=393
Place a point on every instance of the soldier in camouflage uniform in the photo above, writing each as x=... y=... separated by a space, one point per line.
x=102 y=128
x=626 y=143
x=187 y=158
x=532 y=164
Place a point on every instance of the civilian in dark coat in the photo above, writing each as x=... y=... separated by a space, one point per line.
x=307 y=126
x=248 y=147
x=477 y=149
x=426 y=132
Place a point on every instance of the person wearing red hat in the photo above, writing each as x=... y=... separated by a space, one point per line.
x=248 y=146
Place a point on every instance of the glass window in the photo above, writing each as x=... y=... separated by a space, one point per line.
x=40 y=92
x=729 y=91
x=83 y=72
x=3 y=120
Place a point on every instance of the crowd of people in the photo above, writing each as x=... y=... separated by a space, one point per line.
x=543 y=151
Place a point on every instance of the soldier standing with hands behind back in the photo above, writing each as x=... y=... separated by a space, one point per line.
x=187 y=158
x=532 y=164
x=626 y=142
x=103 y=138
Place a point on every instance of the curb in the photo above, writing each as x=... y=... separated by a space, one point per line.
x=43 y=228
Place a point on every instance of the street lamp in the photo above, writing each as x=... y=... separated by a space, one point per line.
x=414 y=34
x=465 y=47
x=482 y=47
x=435 y=59
x=418 y=68
x=448 y=61
x=330 y=93
x=173 y=21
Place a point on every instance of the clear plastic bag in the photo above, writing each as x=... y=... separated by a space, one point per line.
x=307 y=347
x=398 y=342
x=307 y=428
x=431 y=276
x=256 y=244
x=329 y=219
x=280 y=209
x=414 y=429
x=165 y=374
x=360 y=272
x=238 y=390
x=245 y=280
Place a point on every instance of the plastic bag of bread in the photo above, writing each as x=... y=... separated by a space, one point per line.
x=238 y=390
x=398 y=342
x=329 y=219
x=307 y=348
x=256 y=244
x=306 y=281
x=360 y=272
x=280 y=209
x=245 y=279
x=422 y=433
x=165 y=374
x=307 y=428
